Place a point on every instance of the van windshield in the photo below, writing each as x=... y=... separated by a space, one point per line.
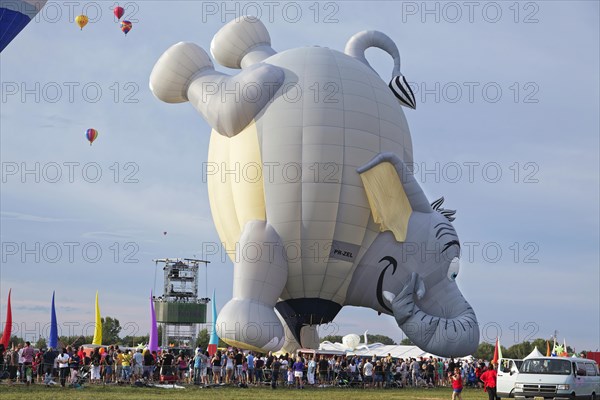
x=545 y=366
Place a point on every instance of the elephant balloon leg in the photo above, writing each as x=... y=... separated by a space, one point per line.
x=249 y=320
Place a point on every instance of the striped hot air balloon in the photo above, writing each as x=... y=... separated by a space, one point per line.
x=91 y=135
x=14 y=16
x=126 y=26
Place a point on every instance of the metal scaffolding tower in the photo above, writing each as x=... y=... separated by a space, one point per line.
x=179 y=310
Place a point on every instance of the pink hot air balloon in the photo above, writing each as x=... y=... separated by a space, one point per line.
x=118 y=11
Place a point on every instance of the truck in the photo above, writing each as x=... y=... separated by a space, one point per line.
x=557 y=378
x=508 y=371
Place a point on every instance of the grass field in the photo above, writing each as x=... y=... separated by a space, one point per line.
x=93 y=392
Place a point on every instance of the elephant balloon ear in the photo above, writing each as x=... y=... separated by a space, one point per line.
x=393 y=193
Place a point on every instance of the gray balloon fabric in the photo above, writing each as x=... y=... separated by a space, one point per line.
x=317 y=143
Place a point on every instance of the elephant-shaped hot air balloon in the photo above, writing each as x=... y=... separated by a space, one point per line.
x=330 y=215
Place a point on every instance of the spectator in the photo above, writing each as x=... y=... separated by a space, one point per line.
x=138 y=364
x=216 y=367
x=48 y=360
x=63 y=366
x=489 y=379
x=310 y=374
x=457 y=384
x=239 y=361
x=250 y=370
x=259 y=366
x=107 y=365
x=322 y=369
x=148 y=361
x=74 y=362
x=276 y=366
x=298 y=368
x=126 y=366
x=96 y=359
x=368 y=373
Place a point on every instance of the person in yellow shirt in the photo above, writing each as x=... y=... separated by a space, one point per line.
x=119 y=364
x=126 y=364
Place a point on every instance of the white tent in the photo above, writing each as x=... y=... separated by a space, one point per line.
x=377 y=349
x=534 y=354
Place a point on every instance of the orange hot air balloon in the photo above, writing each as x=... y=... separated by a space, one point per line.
x=91 y=135
x=82 y=21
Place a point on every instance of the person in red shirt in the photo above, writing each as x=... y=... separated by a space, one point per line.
x=489 y=379
x=457 y=384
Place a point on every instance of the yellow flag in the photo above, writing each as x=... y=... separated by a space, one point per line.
x=98 y=331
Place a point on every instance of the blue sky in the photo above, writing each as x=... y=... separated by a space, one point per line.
x=532 y=116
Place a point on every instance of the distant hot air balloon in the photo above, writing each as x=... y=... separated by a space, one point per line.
x=126 y=26
x=119 y=11
x=91 y=135
x=81 y=20
x=14 y=16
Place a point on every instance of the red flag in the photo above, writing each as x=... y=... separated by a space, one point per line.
x=8 y=326
x=497 y=352
x=548 y=353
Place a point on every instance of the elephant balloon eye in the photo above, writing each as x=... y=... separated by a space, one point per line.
x=454 y=268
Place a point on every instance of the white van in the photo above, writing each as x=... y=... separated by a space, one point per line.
x=558 y=378
x=508 y=372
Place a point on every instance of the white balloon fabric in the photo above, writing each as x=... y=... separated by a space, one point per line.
x=351 y=341
x=310 y=193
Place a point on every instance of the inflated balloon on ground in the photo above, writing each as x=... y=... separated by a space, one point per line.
x=332 y=208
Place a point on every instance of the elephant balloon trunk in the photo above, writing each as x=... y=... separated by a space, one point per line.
x=454 y=336
x=359 y=43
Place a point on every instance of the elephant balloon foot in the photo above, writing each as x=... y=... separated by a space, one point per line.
x=249 y=320
x=248 y=324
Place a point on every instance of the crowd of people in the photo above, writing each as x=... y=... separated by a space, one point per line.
x=106 y=365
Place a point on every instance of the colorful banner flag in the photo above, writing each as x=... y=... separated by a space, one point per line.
x=8 y=325
x=214 y=338
x=565 y=352
x=153 y=342
x=53 y=339
x=98 y=331
x=497 y=352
